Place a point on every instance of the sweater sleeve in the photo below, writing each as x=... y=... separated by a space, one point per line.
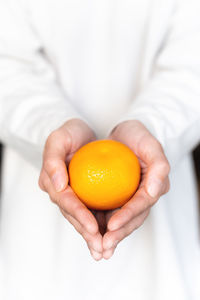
x=169 y=103
x=32 y=103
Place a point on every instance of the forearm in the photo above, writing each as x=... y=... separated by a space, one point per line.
x=168 y=102
x=32 y=104
x=29 y=114
x=169 y=116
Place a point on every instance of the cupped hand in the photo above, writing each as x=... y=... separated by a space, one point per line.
x=58 y=151
x=155 y=168
x=104 y=230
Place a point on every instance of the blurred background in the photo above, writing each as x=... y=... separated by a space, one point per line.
x=0 y=162
x=196 y=156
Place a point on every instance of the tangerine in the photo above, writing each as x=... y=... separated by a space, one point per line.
x=104 y=174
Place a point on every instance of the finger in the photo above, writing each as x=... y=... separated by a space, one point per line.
x=108 y=253
x=94 y=242
x=79 y=228
x=46 y=185
x=110 y=213
x=70 y=203
x=112 y=238
x=158 y=168
x=96 y=255
x=167 y=186
x=164 y=188
x=155 y=177
x=80 y=132
x=148 y=150
x=152 y=155
x=60 y=147
x=42 y=180
x=139 y=203
x=56 y=149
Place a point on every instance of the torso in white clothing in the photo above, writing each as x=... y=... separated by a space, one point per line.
x=102 y=54
x=101 y=50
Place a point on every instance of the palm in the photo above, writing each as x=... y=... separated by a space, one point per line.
x=116 y=224
x=110 y=227
x=103 y=217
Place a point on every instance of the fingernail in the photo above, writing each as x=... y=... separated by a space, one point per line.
x=96 y=255
x=58 y=181
x=154 y=188
x=108 y=253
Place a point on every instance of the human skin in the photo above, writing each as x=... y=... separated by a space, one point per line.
x=102 y=231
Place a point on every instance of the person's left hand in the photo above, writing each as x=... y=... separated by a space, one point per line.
x=117 y=224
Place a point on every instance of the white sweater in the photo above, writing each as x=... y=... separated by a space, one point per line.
x=102 y=61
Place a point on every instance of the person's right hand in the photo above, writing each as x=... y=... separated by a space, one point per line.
x=58 y=151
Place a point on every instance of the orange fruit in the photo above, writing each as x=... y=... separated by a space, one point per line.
x=104 y=174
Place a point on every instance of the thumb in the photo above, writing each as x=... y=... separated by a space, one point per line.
x=60 y=147
x=56 y=150
x=156 y=177
x=80 y=134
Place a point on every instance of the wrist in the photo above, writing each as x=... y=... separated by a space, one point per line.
x=126 y=125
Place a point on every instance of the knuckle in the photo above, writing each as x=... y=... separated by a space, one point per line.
x=81 y=231
x=43 y=181
x=137 y=224
x=40 y=183
x=152 y=201
x=62 y=135
x=53 y=135
x=84 y=234
x=167 y=186
x=129 y=228
x=60 y=199
x=140 y=221
x=164 y=167
x=77 y=226
x=159 y=146
x=129 y=212
x=90 y=243
x=147 y=203
x=48 y=165
x=67 y=141
x=53 y=199
x=164 y=164
x=156 y=145
x=51 y=139
x=79 y=211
